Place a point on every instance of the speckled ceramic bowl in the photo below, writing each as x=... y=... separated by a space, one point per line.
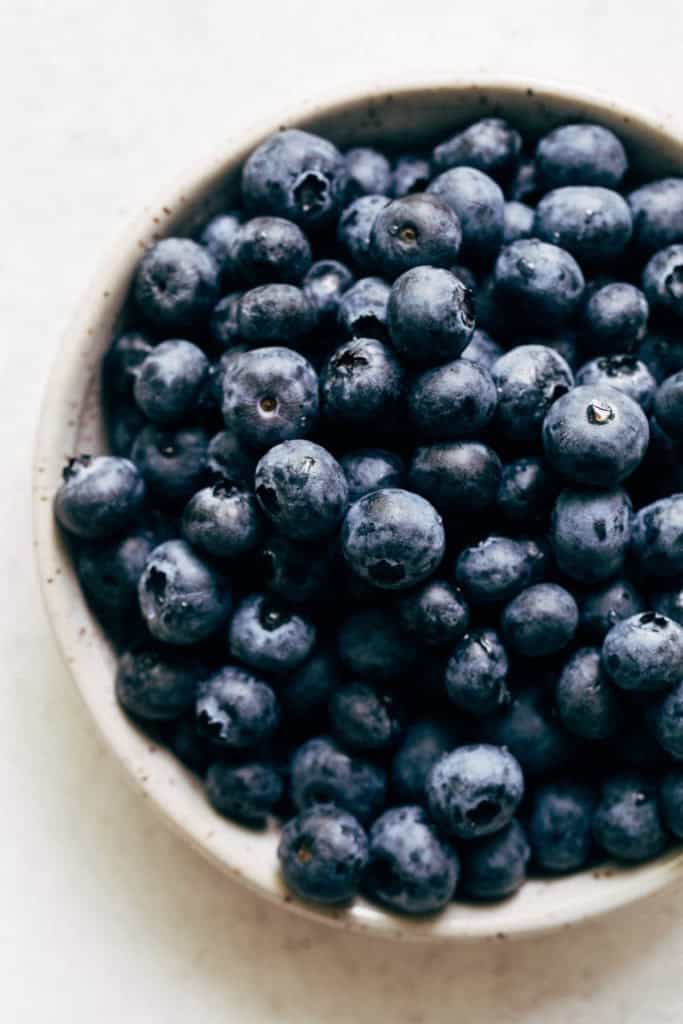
x=72 y=422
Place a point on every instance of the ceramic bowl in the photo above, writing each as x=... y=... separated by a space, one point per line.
x=72 y=422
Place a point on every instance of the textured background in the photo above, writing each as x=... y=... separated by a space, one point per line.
x=104 y=915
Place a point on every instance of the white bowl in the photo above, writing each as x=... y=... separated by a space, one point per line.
x=71 y=422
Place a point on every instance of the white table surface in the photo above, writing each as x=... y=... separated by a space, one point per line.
x=104 y=915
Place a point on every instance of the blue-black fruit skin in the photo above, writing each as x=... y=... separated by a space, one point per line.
x=169 y=381
x=626 y=821
x=269 y=637
x=491 y=145
x=625 y=373
x=302 y=489
x=529 y=379
x=482 y=349
x=537 y=284
x=122 y=362
x=370 y=469
x=434 y=614
x=657 y=210
x=306 y=693
x=271 y=249
x=430 y=315
x=560 y=827
x=662 y=354
x=475 y=790
x=372 y=645
x=174 y=463
x=423 y=743
x=236 y=710
x=410 y=174
x=663 y=281
x=354 y=229
x=614 y=319
x=593 y=224
x=223 y=521
x=518 y=221
x=219 y=238
x=297 y=573
x=410 y=869
x=369 y=172
x=99 y=495
x=321 y=772
x=590 y=533
x=496 y=866
x=324 y=284
x=479 y=204
x=189 y=747
x=418 y=229
x=644 y=653
x=477 y=673
x=456 y=476
x=526 y=493
x=362 y=311
x=586 y=700
x=157 y=686
x=671 y=801
x=224 y=323
x=248 y=793
x=109 y=570
x=668 y=406
x=124 y=423
x=580 y=154
x=365 y=719
x=667 y=722
x=176 y=284
x=271 y=312
x=228 y=459
x=669 y=603
x=498 y=568
x=323 y=852
x=656 y=532
x=529 y=729
x=452 y=401
x=541 y=620
x=361 y=381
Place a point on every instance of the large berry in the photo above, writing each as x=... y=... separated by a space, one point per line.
x=322 y=853
x=302 y=489
x=99 y=495
x=475 y=790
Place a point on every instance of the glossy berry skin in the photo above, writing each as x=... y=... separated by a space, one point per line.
x=218 y=237
x=296 y=175
x=595 y=435
x=541 y=620
x=430 y=316
x=452 y=401
x=644 y=653
x=491 y=145
x=434 y=614
x=411 y=869
x=272 y=312
x=666 y=721
x=223 y=521
x=614 y=319
x=323 y=853
x=417 y=229
x=361 y=382
x=498 y=568
x=663 y=281
x=183 y=599
x=537 y=284
x=456 y=476
x=174 y=463
x=269 y=637
x=623 y=372
x=475 y=790
x=626 y=822
x=580 y=154
x=476 y=673
x=668 y=406
x=362 y=309
x=369 y=172
x=482 y=349
x=302 y=489
x=229 y=460
x=370 y=469
x=122 y=362
x=236 y=710
x=109 y=571
x=271 y=249
x=372 y=645
x=671 y=801
x=560 y=828
x=365 y=719
x=657 y=210
x=248 y=793
x=495 y=867
x=479 y=203
x=526 y=493
x=270 y=395
x=590 y=533
x=354 y=229
x=657 y=531
x=224 y=323
x=586 y=700
x=321 y=772
x=306 y=693
x=529 y=379
x=410 y=174
x=601 y=609
x=176 y=284
x=324 y=285
x=422 y=745
x=593 y=224
x=156 y=686
x=529 y=729
x=99 y=495
x=297 y=573
x=393 y=538
x=169 y=382
x=518 y=221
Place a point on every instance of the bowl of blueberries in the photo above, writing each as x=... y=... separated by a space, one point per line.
x=359 y=509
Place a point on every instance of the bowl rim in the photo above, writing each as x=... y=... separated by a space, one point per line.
x=541 y=905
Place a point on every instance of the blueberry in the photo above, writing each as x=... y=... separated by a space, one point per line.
x=224 y=324
x=306 y=693
x=623 y=372
x=671 y=801
x=580 y=154
x=528 y=728
x=189 y=747
x=593 y=224
x=297 y=175
x=295 y=572
x=498 y=568
x=270 y=395
x=361 y=382
x=663 y=355
x=518 y=221
x=491 y=145
x=668 y=405
x=526 y=493
x=456 y=476
x=369 y=172
x=174 y=464
x=644 y=653
x=529 y=379
x=657 y=210
x=410 y=174
x=657 y=537
x=667 y=722
x=626 y=822
x=247 y=792
x=324 y=285
x=219 y=238
x=430 y=315
x=586 y=701
x=271 y=249
x=663 y=280
x=614 y=318
x=355 y=229
x=182 y=598
x=176 y=283
x=560 y=828
x=452 y=401
x=537 y=284
x=228 y=459
x=268 y=636
x=109 y=571
x=423 y=743
x=435 y=614
x=410 y=869
x=601 y=609
x=321 y=772
x=169 y=381
x=393 y=538
x=595 y=435
x=495 y=867
x=370 y=469
x=157 y=686
x=99 y=495
x=365 y=719
x=322 y=853
x=476 y=673
x=363 y=309
x=236 y=710
x=122 y=362
x=669 y=603
x=272 y=312
x=124 y=423
x=541 y=620
x=222 y=520
x=475 y=790
x=302 y=489
x=482 y=349
x=417 y=229
x=590 y=533
x=479 y=203
x=371 y=644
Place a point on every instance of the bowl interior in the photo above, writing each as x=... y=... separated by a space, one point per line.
x=409 y=118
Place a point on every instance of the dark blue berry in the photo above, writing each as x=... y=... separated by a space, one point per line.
x=491 y=145
x=322 y=853
x=625 y=373
x=666 y=719
x=297 y=573
x=157 y=686
x=435 y=614
x=236 y=710
x=644 y=653
x=124 y=423
x=228 y=459
x=174 y=463
x=590 y=533
x=99 y=495
x=219 y=238
x=626 y=822
x=658 y=537
x=669 y=603
x=657 y=210
x=662 y=354
x=668 y=406
x=452 y=401
x=109 y=571
x=362 y=309
x=422 y=745
x=495 y=867
x=372 y=645
x=541 y=620
x=671 y=801
x=478 y=202
x=169 y=381
x=580 y=154
x=518 y=221
x=268 y=636
x=369 y=172
x=537 y=284
x=560 y=827
x=302 y=489
x=122 y=362
x=663 y=281
x=593 y=224
x=306 y=693
x=321 y=772
x=477 y=672
x=324 y=285
x=482 y=349
x=417 y=229
x=176 y=283
x=355 y=228
x=370 y=469
x=586 y=700
x=272 y=312
x=224 y=325
x=456 y=476
x=528 y=728
x=361 y=382
x=614 y=319
x=364 y=718
x=271 y=249
x=411 y=174
x=526 y=493
x=430 y=315
x=475 y=790
x=498 y=568
x=529 y=379
x=601 y=609
x=223 y=520
x=247 y=792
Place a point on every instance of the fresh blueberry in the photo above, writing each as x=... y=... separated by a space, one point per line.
x=658 y=537
x=296 y=175
x=422 y=745
x=498 y=568
x=657 y=210
x=182 y=598
x=671 y=801
x=669 y=603
x=369 y=172
x=593 y=224
x=365 y=719
x=271 y=249
x=371 y=469
x=625 y=373
x=174 y=463
x=410 y=868
x=482 y=349
x=529 y=379
x=541 y=620
x=479 y=204
x=122 y=362
x=452 y=401
x=354 y=229
x=411 y=174
x=663 y=281
x=99 y=495
x=176 y=283
x=157 y=686
x=272 y=312
x=495 y=867
x=518 y=221
x=491 y=145
x=666 y=718
x=526 y=493
x=324 y=285
x=236 y=710
x=590 y=533
x=528 y=728
x=614 y=319
x=361 y=383
x=644 y=653
x=475 y=790
x=322 y=853
x=601 y=609
x=247 y=792
x=476 y=673
x=372 y=645
x=302 y=489
x=223 y=520
x=595 y=435
x=363 y=309
x=297 y=573
x=668 y=406
x=224 y=325
x=537 y=284
x=435 y=614
x=560 y=827
x=662 y=354
x=268 y=636
x=219 y=238
x=580 y=154
x=321 y=772
x=430 y=315
x=305 y=695
x=270 y=395
x=109 y=571
x=586 y=701
x=491 y=316
x=393 y=538
x=169 y=381
x=626 y=822
x=456 y=476
x=229 y=460
x=418 y=229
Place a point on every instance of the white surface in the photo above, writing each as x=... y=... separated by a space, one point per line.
x=104 y=915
